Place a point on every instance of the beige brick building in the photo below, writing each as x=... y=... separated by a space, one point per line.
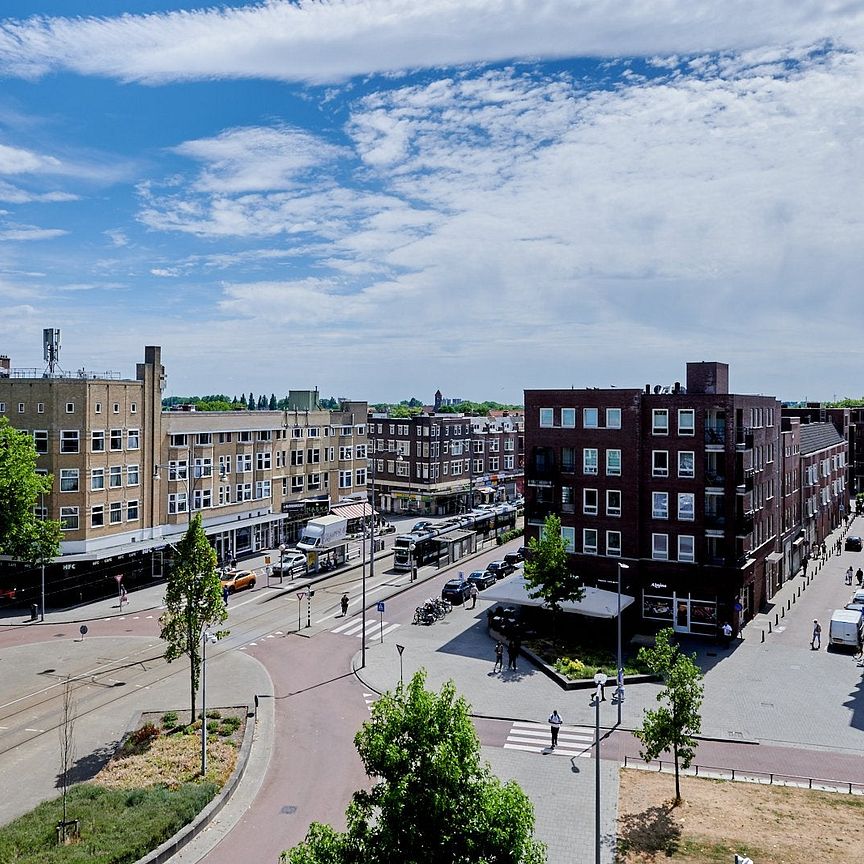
x=127 y=475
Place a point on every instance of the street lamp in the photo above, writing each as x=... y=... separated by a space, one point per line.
x=281 y=565
x=599 y=680
x=42 y=563
x=619 y=690
x=371 y=571
x=206 y=637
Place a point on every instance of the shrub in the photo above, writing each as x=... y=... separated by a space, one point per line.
x=213 y=726
x=214 y=714
x=169 y=719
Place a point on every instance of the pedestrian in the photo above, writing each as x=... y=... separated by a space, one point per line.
x=512 y=654
x=225 y=594
x=499 y=657
x=859 y=576
x=344 y=604
x=824 y=552
x=816 y=641
x=124 y=597
x=473 y=593
x=555 y=723
x=602 y=687
x=849 y=575
x=233 y=563
x=805 y=563
x=727 y=634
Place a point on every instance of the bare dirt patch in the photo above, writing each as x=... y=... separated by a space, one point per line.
x=770 y=824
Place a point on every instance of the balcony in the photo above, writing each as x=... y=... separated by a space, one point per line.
x=743 y=525
x=715 y=521
x=744 y=484
x=715 y=436
x=715 y=479
x=744 y=438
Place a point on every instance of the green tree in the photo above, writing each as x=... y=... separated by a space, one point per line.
x=193 y=601
x=273 y=404
x=673 y=725
x=433 y=801
x=547 y=572
x=250 y=404
x=23 y=536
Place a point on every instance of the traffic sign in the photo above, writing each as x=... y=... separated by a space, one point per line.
x=119 y=578
x=380 y=606
x=83 y=630
x=301 y=595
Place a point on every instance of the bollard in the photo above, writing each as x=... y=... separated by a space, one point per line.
x=799 y=592
x=776 y=619
x=783 y=612
x=793 y=598
x=769 y=629
x=763 y=635
x=788 y=604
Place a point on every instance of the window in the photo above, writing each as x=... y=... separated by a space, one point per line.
x=686 y=506
x=70 y=407
x=660 y=547
x=314 y=481
x=494 y=462
x=613 y=418
x=40 y=440
x=115 y=476
x=568 y=459
x=244 y=492
x=613 y=463
x=360 y=477
x=686 y=463
x=115 y=512
x=296 y=432
x=68 y=518
x=659 y=463
x=686 y=547
x=568 y=535
x=660 y=421
x=132 y=508
x=590 y=418
x=589 y=460
x=263 y=460
x=297 y=483
x=613 y=543
x=613 y=502
x=116 y=440
x=547 y=417
x=244 y=462
x=97 y=516
x=265 y=434
x=177 y=470
x=2 y=407
x=116 y=408
x=660 y=505
x=224 y=465
x=589 y=541
x=314 y=432
x=262 y=489
x=97 y=408
x=68 y=479
x=225 y=437
x=589 y=502
x=568 y=418
x=686 y=421
x=133 y=409
x=297 y=457
x=245 y=436
x=508 y=464
x=177 y=502
x=97 y=479
x=344 y=479
x=178 y=441
x=133 y=438
x=132 y=475
x=346 y=454
x=360 y=451
x=97 y=441
x=69 y=443
x=314 y=456
x=40 y=407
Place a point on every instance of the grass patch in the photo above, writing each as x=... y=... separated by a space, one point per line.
x=149 y=790
x=574 y=661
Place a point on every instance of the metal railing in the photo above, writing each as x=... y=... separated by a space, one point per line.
x=748 y=775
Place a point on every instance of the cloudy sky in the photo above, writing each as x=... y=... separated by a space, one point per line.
x=385 y=197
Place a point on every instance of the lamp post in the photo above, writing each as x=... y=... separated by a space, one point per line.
x=599 y=680
x=619 y=690
x=42 y=563
x=371 y=571
x=282 y=563
x=206 y=637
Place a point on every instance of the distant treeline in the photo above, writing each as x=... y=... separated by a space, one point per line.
x=221 y=402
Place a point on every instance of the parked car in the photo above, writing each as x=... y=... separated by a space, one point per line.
x=290 y=563
x=238 y=580
x=514 y=559
x=481 y=578
x=846 y=628
x=500 y=569
x=853 y=544
x=525 y=552
x=456 y=591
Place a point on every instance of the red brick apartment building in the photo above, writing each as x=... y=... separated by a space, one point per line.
x=684 y=484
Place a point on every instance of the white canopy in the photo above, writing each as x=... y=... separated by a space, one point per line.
x=596 y=603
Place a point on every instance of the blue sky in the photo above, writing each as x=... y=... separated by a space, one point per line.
x=385 y=197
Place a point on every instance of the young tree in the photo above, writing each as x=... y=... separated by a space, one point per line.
x=67 y=748
x=250 y=404
x=273 y=404
x=673 y=725
x=547 y=573
x=433 y=801
x=23 y=536
x=193 y=601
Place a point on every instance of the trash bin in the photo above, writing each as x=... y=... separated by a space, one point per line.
x=34 y=611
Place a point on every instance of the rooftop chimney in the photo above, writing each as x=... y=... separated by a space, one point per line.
x=708 y=378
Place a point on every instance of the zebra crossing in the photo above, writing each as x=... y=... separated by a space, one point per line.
x=535 y=738
x=375 y=628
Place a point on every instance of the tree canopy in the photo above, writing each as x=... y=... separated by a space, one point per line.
x=432 y=800
x=547 y=573
x=193 y=601
x=23 y=536
x=675 y=724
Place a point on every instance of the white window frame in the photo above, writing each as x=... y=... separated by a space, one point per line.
x=589 y=548
x=115 y=471
x=568 y=535
x=587 y=508
x=68 y=518
x=683 y=473
x=547 y=418
x=658 y=414
x=659 y=471
x=568 y=418
x=659 y=505
x=660 y=547
x=68 y=437
x=682 y=499
x=94 y=474
x=612 y=471
x=594 y=415
x=613 y=551
x=684 y=429
x=133 y=475
x=683 y=555
x=611 y=510
x=69 y=480
x=133 y=513
x=586 y=467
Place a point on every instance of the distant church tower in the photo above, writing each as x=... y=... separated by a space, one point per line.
x=438 y=399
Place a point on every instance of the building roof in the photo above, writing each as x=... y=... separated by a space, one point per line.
x=818 y=436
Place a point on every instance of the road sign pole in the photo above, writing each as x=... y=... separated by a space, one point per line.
x=381 y=619
x=300 y=595
x=310 y=595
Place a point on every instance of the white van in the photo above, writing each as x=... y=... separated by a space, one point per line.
x=846 y=628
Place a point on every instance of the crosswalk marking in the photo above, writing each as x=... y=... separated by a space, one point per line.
x=373 y=628
x=535 y=738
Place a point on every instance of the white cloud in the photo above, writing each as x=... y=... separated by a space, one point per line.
x=15 y=160
x=30 y=232
x=167 y=272
x=319 y=42
x=15 y=195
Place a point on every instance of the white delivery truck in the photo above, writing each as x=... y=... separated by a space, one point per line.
x=323 y=533
x=846 y=628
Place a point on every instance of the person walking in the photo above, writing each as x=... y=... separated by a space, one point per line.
x=555 y=723
x=816 y=641
x=849 y=575
x=512 y=654
x=804 y=564
x=344 y=604
x=473 y=594
x=859 y=576
x=499 y=657
x=225 y=594
x=727 y=634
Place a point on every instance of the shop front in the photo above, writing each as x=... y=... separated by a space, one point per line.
x=684 y=611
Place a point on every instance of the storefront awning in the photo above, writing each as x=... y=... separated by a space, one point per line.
x=353 y=511
x=596 y=603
